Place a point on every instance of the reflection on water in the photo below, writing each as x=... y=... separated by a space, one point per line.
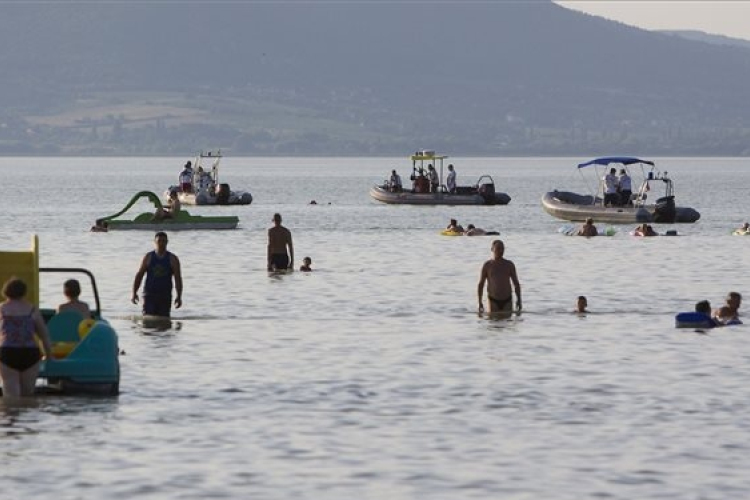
x=374 y=376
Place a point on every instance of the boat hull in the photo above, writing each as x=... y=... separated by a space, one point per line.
x=577 y=208
x=409 y=198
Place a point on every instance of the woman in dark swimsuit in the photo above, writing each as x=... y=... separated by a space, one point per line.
x=20 y=322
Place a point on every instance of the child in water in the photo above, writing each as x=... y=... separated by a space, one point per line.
x=306 y=263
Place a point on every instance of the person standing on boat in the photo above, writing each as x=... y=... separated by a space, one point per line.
x=610 y=188
x=432 y=176
x=625 y=187
x=395 y=182
x=499 y=274
x=160 y=267
x=186 y=178
x=279 y=240
x=450 y=182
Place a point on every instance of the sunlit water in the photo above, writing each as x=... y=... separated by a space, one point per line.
x=373 y=376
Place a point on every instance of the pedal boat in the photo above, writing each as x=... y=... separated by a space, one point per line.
x=85 y=351
x=184 y=221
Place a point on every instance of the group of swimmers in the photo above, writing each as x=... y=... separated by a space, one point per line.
x=726 y=315
x=471 y=230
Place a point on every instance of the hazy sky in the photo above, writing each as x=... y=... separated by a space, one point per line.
x=722 y=17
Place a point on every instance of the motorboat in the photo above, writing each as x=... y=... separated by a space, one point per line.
x=578 y=207
x=85 y=351
x=205 y=188
x=182 y=221
x=481 y=193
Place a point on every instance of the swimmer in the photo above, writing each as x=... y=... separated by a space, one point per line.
x=581 y=305
x=306 y=263
x=588 y=229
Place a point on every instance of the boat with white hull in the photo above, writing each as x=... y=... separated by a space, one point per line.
x=571 y=206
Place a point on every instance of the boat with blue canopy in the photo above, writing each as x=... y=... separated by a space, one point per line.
x=614 y=208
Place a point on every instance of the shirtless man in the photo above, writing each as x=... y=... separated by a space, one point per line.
x=279 y=238
x=588 y=229
x=499 y=274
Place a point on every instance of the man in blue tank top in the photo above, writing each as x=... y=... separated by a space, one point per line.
x=159 y=267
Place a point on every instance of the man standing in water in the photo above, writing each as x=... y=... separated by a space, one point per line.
x=499 y=274
x=279 y=238
x=159 y=267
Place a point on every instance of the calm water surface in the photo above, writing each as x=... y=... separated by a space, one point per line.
x=373 y=377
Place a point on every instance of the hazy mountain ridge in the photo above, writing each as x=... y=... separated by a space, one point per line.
x=294 y=78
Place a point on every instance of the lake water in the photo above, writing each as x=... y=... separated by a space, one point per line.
x=373 y=377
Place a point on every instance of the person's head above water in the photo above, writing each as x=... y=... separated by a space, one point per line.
x=704 y=307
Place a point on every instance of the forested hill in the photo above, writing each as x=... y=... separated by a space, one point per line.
x=379 y=78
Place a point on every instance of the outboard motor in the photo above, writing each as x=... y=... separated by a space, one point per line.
x=222 y=194
x=487 y=191
x=665 y=210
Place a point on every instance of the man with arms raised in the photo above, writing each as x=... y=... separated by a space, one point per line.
x=499 y=274
x=279 y=238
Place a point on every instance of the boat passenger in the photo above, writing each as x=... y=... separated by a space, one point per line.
x=588 y=228
x=450 y=181
x=394 y=184
x=421 y=184
x=186 y=178
x=432 y=175
x=171 y=210
x=21 y=324
x=306 y=263
x=72 y=290
x=611 y=197
x=100 y=226
x=581 y=304
x=625 y=188
x=454 y=226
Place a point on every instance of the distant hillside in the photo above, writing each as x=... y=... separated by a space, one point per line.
x=700 y=36
x=311 y=78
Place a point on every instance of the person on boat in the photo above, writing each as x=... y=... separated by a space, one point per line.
x=100 y=226
x=450 y=181
x=625 y=188
x=499 y=274
x=21 y=324
x=588 y=228
x=72 y=292
x=432 y=176
x=454 y=226
x=171 y=210
x=160 y=267
x=610 y=189
x=306 y=263
x=581 y=304
x=186 y=178
x=279 y=240
x=394 y=184
x=204 y=179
